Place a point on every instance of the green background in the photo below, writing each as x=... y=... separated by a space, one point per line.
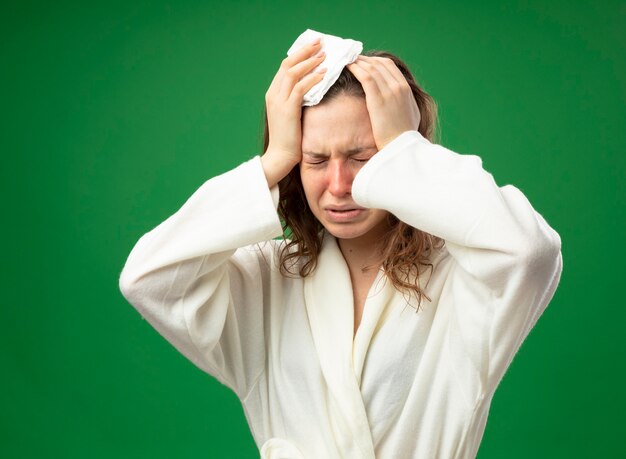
x=115 y=112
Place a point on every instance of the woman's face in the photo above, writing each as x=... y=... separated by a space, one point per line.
x=337 y=140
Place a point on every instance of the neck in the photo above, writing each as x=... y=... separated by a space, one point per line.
x=362 y=255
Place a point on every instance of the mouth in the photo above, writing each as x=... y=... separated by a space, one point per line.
x=345 y=208
x=343 y=215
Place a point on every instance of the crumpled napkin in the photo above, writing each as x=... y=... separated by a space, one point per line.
x=339 y=53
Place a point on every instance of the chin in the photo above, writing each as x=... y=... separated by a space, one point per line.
x=344 y=231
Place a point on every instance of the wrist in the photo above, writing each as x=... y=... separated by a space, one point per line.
x=275 y=168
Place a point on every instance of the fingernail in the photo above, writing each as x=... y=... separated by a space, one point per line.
x=320 y=54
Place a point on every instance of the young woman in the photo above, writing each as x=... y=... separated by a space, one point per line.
x=382 y=326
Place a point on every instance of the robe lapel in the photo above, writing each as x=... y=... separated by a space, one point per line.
x=375 y=312
x=330 y=309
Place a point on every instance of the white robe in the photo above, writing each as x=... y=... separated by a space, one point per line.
x=409 y=385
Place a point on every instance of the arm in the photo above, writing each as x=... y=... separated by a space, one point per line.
x=508 y=259
x=194 y=279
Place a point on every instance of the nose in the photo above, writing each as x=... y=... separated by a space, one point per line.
x=340 y=178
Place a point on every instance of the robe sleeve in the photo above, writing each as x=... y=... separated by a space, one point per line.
x=508 y=259
x=197 y=277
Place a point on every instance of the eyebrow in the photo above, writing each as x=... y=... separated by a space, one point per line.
x=350 y=152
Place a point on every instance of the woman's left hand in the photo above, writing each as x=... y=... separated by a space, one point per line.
x=388 y=97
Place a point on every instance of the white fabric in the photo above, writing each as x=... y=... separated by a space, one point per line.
x=409 y=385
x=339 y=53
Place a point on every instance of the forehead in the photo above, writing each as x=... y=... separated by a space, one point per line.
x=340 y=123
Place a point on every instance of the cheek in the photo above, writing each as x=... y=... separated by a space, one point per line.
x=311 y=184
x=381 y=217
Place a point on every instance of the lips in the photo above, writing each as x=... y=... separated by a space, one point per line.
x=343 y=214
x=343 y=208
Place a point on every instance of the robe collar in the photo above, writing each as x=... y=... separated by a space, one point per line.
x=330 y=309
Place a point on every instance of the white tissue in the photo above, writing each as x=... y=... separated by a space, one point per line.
x=339 y=53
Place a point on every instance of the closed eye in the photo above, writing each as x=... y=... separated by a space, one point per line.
x=318 y=162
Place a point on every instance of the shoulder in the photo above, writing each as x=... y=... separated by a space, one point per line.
x=439 y=264
x=266 y=257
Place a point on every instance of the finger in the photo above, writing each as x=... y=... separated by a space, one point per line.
x=389 y=68
x=295 y=74
x=398 y=85
x=306 y=83
x=367 y=80
x=298 y=56
x=384 y=80
x=302 y=53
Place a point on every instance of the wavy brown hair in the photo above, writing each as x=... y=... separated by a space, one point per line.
x=404 y=250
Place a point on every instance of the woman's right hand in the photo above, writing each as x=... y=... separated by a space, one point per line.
x=283 y=102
